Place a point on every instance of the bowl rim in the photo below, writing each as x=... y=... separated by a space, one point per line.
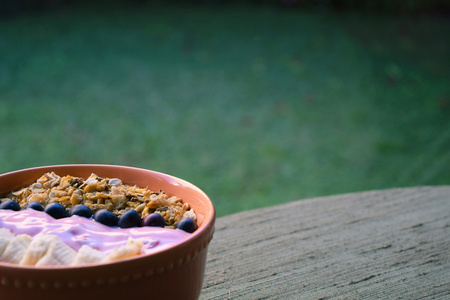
x=201 y=236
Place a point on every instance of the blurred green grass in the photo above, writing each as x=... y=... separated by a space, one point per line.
x=255 y=105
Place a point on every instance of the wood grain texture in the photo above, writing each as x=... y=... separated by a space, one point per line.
x=388 y=244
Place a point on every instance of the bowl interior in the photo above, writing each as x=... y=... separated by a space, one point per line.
x=171 y=185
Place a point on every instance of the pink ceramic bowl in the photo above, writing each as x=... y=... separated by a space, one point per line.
x=174 y=273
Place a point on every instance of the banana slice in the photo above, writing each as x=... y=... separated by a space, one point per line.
x=132 y=248
x=5 y=237
x=16 y=248
x=58 y=254
x=88 y=255
x=49 y=250
x=38 y=248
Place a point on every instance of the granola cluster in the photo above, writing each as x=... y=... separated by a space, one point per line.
x=103 y=193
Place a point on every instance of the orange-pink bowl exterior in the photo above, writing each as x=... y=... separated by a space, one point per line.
x=174 y=273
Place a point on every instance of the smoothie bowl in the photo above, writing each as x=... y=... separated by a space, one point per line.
x=101 y=232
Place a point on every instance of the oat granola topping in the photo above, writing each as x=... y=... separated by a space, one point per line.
x=103 y=193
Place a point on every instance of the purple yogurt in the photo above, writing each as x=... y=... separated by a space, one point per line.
x=77 y=231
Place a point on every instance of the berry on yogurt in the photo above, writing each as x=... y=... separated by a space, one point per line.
x=56 y=210
x=187 y=224
x=33 y=205
x=10 y=204
x=154 y=220
x=106 y=217
x=81 y=210
x=130 y=219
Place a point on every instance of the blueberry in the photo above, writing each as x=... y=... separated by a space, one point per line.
x=106 y=217
x=154 y=220
x=10 y=204
x=81 y=210
x=130 y=219
x=34 y=205
x=56 y=210
x=187 y=224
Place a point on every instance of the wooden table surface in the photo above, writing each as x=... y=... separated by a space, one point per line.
x=388 y=244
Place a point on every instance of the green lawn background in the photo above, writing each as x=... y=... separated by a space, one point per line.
x=255 y=105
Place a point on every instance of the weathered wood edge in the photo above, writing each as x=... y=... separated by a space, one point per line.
x=388 y=244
